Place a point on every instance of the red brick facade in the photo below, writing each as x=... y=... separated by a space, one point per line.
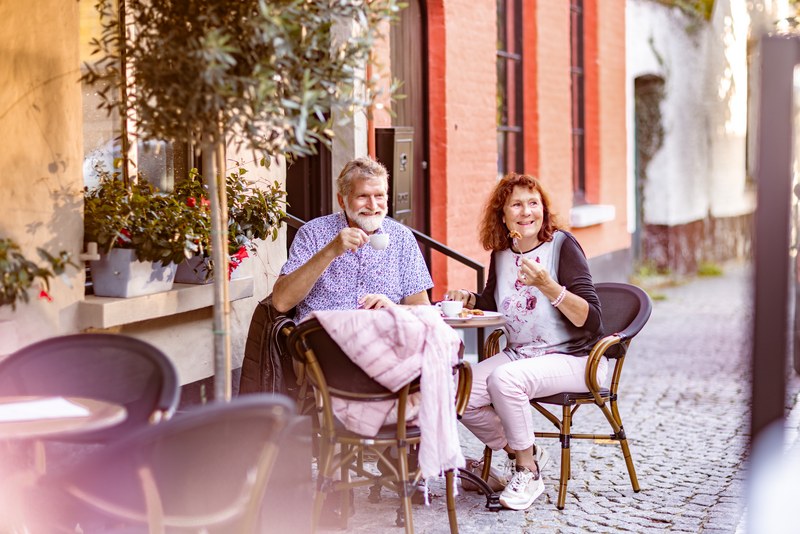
x=462 y=85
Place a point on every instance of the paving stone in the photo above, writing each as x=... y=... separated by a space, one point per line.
x=682 y=399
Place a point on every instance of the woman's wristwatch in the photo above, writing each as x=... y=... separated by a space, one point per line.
x=471 y=300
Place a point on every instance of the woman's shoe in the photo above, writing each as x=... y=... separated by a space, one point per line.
x=523 y=489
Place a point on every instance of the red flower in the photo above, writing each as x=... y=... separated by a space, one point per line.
x=45 y=296
x=236 y=260
x=205 y=202
x=240 y=254
x=125 y=238
x=191 y=202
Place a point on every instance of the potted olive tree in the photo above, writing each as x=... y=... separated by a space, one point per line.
x=269 y=75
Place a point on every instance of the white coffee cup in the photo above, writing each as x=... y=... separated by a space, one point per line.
x=379 y=241
x=451 y=308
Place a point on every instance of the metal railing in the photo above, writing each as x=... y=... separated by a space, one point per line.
x=430 y=243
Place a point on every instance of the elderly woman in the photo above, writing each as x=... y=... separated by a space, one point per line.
x=539 y=280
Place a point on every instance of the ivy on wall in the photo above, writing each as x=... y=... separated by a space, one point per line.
x=698 y=9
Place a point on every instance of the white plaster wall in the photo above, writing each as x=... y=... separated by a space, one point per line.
x=41 y=156
x=700 y=169
x=658 y=44
x=41 y=181
x=726 y=85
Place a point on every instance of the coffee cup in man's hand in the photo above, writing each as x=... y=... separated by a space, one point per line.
x=379 y=241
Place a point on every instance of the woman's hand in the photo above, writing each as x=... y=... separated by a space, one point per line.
x=532 y=273
x=459 y=295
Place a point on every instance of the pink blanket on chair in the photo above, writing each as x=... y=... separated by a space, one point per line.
x=393 y=346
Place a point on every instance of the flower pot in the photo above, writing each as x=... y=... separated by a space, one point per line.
x=195 y=271
x=120 y=274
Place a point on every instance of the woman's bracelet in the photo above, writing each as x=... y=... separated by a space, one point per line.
x=560 y=298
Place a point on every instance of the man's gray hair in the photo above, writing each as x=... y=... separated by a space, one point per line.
x=360 y=169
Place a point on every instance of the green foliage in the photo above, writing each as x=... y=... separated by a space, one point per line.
x=270 y=72
x=253 y=213
x=157 y=226
x=19 y=273
x=707 y=268
x=698 y=9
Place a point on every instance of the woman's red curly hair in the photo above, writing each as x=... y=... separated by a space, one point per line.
x=493 y=233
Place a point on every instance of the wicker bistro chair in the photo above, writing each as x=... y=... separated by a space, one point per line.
x=205 y=470
x=626 y=309
x=109 y=367
x=330 y=373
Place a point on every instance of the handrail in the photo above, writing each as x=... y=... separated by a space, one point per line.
x=425 y=240
x=450 y=253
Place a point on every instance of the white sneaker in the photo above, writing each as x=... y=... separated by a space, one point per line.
x=523 y=489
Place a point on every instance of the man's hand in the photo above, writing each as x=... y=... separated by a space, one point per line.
x=374 y=302
x=349 y=239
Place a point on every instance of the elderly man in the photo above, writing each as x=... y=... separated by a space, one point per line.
x=329 y=266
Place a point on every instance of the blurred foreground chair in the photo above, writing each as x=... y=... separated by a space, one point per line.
x=110 y=367
x=331 y=373
x=207 y=470
x=626 y=309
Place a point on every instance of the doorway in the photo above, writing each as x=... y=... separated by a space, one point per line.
x=409 y=64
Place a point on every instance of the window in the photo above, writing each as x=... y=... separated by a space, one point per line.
x=578 y=101
x=509 y=87
x=104 y=135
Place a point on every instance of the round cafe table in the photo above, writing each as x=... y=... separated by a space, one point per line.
x=36 y=417
x=493 y=320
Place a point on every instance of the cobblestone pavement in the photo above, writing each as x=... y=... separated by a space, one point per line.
x=683 y=400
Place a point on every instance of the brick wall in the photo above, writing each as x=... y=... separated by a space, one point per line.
x=462 y=118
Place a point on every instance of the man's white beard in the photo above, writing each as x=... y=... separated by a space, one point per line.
x=368 y=223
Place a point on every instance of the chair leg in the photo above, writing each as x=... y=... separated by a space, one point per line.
x=451 y=501
x=323 y=477
x=345 y=493
x=487 y=463
x=626 y=453
x=405 y=489
x=623 y=441
x=565 y=456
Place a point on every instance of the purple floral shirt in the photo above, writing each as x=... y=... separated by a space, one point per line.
x=397 y=271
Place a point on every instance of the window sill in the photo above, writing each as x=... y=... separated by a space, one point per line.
x=105 y=312
x=591 y=214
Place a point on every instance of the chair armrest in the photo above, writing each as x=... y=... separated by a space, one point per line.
x=492 y=344
x=598 y=351
x=463 y=386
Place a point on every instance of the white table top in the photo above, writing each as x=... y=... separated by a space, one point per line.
x=23 y=417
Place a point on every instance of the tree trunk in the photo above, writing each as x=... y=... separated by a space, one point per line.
x=214 y=175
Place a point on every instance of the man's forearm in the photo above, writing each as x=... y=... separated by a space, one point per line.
x=291 y=288
x=417 y=299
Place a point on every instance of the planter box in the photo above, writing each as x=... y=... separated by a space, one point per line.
x=195 y=271
x=120 y=274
